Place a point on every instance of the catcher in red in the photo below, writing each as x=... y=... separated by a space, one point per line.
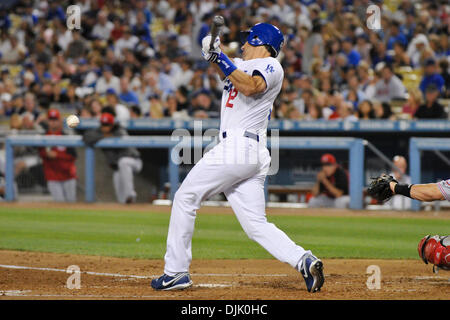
x=436 y=249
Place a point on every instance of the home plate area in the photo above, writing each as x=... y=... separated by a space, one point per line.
x=33 y=275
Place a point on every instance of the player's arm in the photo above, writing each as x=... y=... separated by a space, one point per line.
x=316 y=189
x=246 y=84
x=335 y=191
x=332 y=188
x=422 y=192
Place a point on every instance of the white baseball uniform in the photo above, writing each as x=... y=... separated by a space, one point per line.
x=444 y=187
x=237 y=166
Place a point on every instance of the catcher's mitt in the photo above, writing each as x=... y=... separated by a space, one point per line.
x=379 y=187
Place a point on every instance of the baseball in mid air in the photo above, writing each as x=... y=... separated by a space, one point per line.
x=72 y=121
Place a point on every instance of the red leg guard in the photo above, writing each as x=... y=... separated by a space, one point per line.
x=435 y=250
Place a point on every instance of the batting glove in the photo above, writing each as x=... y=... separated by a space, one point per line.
x=210 y=55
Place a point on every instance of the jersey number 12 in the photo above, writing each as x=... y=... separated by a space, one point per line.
x=233 y=94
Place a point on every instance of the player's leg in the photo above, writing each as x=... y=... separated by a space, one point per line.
x=208 y=177
x=70 y=190
x=118 y=187
x=127 y=167
x=56 y=190
x=342 y=202
x=248 y=203
x=320 y=201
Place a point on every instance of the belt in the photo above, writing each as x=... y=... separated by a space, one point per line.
x=247 y=134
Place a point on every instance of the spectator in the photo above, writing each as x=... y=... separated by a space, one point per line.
x=12 y=51
x=7 y=107
x=94 y=110
x=431 y=76
x=124 y=161
x=103 y=27
x=383 y=110
x=401 y=58
x=171 y=109
x=389 y=87
x=156 y=106
x=314 y=112
x=314 y=47
x=78 y=47
x=363 y=47
x=182 y=98
x=431 y=109
x=331 y=188
x=344 y=111
x=141 y=29
x=353 y=56
x=444 y=68
x=121 y=112
x=127 y=41
x=367 y=81
x=416 y=48
x=202 y=106
x=30 y=106
x=127 y=96
x=379 y=54
x=107 y=81
x=365 y=110
x=135 y=112
x=396 y=36
x=184 y=76
x=354 y=87
x=59 y=163
x=414 y=101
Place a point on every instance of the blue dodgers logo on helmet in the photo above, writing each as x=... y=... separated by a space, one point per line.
x=265 y=34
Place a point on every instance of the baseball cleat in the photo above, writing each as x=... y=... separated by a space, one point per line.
x=178 y=282
x=312 y=271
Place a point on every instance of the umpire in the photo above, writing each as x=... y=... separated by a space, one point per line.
x=124 y=161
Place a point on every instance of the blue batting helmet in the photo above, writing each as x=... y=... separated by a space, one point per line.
x=264 y=34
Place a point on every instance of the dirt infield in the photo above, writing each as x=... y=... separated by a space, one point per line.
x=33 y=275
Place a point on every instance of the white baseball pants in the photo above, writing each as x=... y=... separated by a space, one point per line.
x=63 y=191
x=123 y=178
x=238 y=167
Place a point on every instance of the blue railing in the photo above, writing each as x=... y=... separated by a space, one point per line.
x=353 y=145
x=148 y=124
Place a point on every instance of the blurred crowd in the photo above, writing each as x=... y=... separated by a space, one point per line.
x=141 y=58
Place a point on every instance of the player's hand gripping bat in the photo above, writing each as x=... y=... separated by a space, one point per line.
x=216 y=25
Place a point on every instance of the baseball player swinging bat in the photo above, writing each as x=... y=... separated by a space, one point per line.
x=239 y=163
x=436 y=249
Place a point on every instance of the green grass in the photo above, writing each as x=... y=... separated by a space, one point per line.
x=143 y=235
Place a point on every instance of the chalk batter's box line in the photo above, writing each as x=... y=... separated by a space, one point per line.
x=138 y=276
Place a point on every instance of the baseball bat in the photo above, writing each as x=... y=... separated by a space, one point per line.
x=217 y=23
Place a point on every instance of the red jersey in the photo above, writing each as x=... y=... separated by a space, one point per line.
x=62 y=167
